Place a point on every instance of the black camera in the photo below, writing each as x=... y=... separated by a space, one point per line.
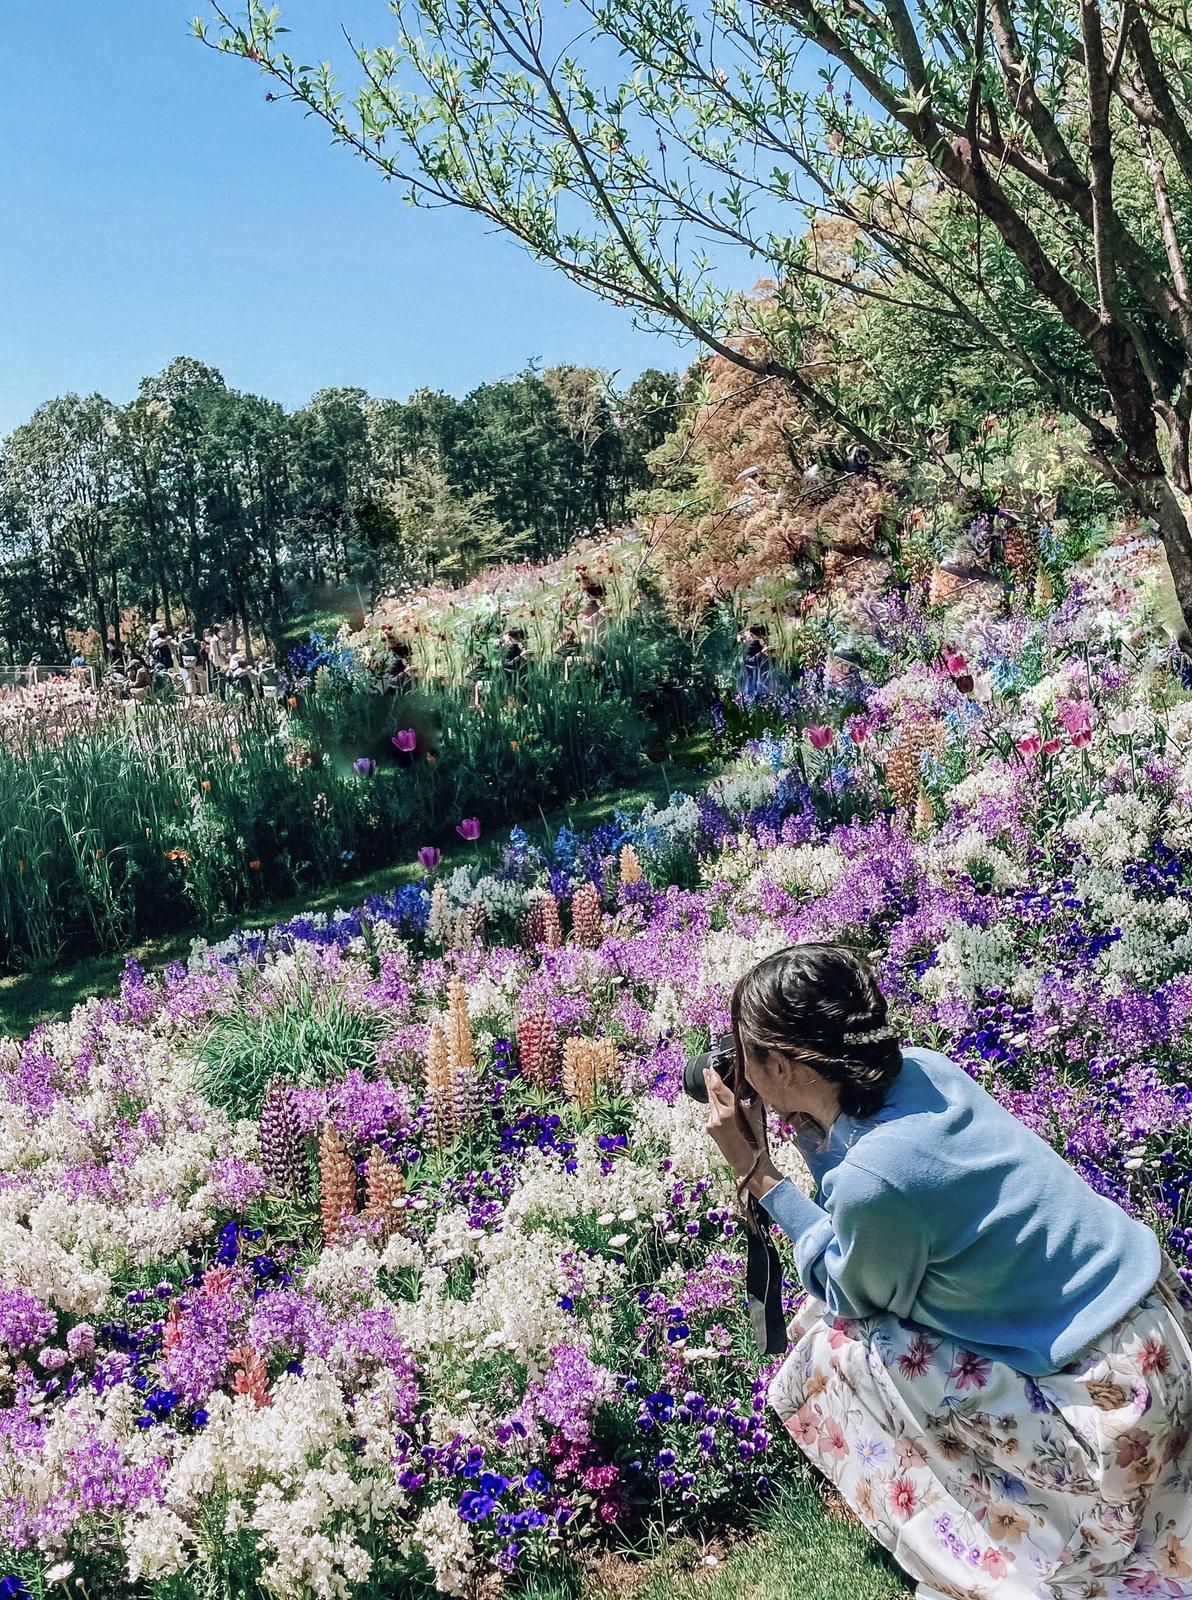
x=763 y=1270
x=721 y=1056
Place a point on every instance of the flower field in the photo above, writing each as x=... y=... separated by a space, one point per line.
x=383 y=1254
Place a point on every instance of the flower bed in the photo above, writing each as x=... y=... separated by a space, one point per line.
x=385 y=1250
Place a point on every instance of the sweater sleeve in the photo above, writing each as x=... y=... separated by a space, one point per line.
x=863 y=1255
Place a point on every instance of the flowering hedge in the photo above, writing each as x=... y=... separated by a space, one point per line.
x=384 y=1250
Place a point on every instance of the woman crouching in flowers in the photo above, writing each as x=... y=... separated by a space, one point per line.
x=992 y=1363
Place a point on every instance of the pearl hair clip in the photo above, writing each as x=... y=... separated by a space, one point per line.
x=870 y=1035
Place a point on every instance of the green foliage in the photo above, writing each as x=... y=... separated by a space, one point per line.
x=309 y=1037
x=199 y=501
x=155 y=821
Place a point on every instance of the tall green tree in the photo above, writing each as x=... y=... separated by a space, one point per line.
x=634 y=151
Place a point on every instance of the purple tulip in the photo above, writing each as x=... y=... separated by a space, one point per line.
x=429 y=857
x=405 y=739
x=468 y=829
x=364 y=766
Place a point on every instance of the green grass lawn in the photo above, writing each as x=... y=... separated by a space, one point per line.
x=30 y=998
x=798 y=1549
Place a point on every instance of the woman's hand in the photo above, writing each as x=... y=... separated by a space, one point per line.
x=740 y=1150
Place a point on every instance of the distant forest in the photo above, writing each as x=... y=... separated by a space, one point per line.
x=198 y=502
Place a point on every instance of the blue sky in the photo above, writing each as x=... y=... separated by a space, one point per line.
x=155 y=205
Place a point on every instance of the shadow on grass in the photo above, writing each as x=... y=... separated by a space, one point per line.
x=46 y=993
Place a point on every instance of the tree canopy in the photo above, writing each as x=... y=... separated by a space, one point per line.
x=199 y=502
x=1018 y=170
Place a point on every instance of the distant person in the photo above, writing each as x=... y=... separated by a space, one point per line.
x=161 y=652
x=217 y=659
x=269 y=680
x=755 y=671
x=592 y=622
x=515 y=657
x=140 y=679
x=189 y=660
x=241 y=678
x=398 y=670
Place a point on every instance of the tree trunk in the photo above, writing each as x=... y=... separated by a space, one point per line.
x=1174 y=530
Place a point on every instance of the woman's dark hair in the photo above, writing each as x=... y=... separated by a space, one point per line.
x=820 y=1005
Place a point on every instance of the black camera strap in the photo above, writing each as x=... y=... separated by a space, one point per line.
x=763 y=1284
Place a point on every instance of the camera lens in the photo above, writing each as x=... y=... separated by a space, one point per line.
x=721 y=1056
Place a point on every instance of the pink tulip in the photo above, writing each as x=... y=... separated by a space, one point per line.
x=468 y=829
x=955 y=662
x=1051 y=747
x=429 y=857
x=859 y=729
x=405 y=739
x=820 y=737
x=1030 y=745
x=1075 y=716
x=1081 y=733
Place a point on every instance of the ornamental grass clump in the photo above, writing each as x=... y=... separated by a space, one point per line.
x=304 y=1033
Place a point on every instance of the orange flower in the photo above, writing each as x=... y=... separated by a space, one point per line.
x=513 y=744
x=99 y=854
x=206 y=785
x=254 y=865
x=430 y=758
x=291 y=701
x=178 y=855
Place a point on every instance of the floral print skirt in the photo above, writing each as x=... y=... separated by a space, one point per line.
x=982 y=1481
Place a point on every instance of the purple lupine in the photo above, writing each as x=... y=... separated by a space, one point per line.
x=283 y=1156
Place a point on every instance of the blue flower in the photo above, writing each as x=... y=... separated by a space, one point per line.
x=474 y=1506
x=537 y=1482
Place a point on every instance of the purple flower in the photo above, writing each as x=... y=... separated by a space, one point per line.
x=468 y=829
x=405 y=739
x=475 y=1506
x=429 y=857
x=364 y=766
x=80 y=1341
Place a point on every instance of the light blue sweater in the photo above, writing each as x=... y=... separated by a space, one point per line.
x=946 y=1211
